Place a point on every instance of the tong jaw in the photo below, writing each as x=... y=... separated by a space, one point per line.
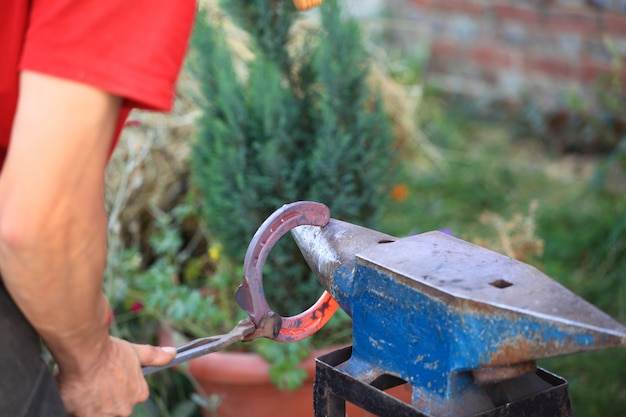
x=269 y=327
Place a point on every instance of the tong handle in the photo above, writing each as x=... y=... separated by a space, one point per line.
x=205 y=345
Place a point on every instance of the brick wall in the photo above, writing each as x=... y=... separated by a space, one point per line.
x=505 y=48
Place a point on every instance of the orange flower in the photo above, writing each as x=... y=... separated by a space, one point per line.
x=399 y=192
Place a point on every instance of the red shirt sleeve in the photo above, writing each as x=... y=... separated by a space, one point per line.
x=131 y=48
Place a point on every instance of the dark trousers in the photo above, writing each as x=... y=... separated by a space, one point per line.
x=27 y=387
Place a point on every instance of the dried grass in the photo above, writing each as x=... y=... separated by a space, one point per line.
x=148 y=170
x=402 y=104
x=514 y=237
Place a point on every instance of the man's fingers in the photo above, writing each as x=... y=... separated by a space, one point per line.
x=154 y=355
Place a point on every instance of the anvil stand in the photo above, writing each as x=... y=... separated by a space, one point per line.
x=541 y=394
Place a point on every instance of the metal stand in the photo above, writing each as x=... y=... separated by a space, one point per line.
x=332 y=388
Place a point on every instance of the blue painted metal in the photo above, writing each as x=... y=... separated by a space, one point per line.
x=445 y=315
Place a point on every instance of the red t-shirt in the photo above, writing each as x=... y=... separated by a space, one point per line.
x=131 y=48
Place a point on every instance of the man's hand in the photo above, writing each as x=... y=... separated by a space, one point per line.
x=114 y=383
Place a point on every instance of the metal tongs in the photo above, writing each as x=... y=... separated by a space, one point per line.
x=261 y=320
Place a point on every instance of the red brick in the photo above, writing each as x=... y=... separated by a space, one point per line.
x=492 y=55
x=467 y=7
x=553 y=68
x=572 y=21
x=614 y=24
x=446 y=48
x=446 y=56
x=525 y=15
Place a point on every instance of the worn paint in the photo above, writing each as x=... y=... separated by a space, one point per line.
x=431 y=308
x=424 y=340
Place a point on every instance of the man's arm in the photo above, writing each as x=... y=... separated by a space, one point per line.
x=53 y=241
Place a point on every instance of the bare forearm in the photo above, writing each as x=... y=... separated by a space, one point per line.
x=53 y=242
x=52 y=220
x=54 y=276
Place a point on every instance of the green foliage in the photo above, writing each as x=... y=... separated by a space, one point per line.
x=285 y=359
x=151 y=287
x=303 y=125
x=268 y=24
x=191 y=293
x=587 y=247
x=585 y=123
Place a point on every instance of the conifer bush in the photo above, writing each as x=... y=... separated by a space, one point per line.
x=302 y=124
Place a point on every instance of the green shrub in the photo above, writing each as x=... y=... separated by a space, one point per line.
x=303 y=125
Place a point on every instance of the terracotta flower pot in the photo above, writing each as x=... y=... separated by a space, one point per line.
x=242 y=382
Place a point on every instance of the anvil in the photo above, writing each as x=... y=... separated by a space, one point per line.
x=450 y=318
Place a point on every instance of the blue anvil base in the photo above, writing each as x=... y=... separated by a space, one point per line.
x=541 y=394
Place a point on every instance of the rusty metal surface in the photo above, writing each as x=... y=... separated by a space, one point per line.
x=269 y=327
x=541 y=394
x=331 y=252
x=250 y=295
x=495 y=374
x=199 y=347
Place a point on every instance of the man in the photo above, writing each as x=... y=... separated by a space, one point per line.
x=70 y=71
